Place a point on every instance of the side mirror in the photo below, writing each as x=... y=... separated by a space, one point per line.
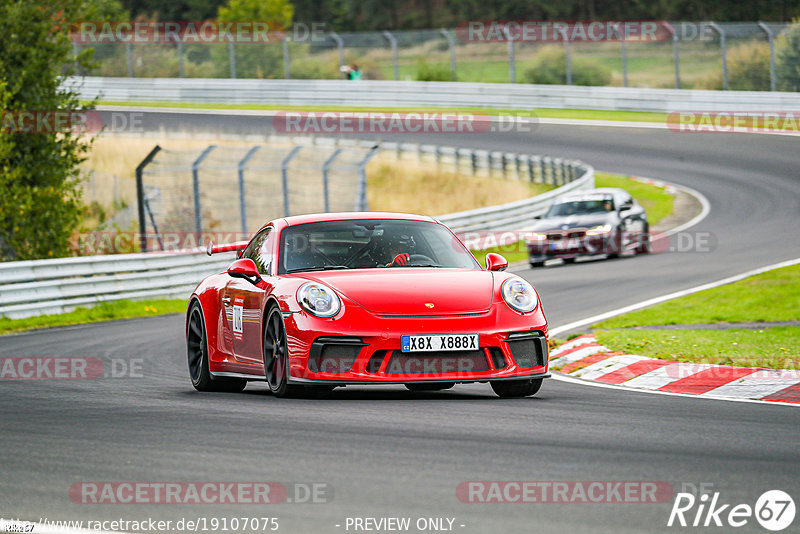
x=495 y=262
x=245 y=268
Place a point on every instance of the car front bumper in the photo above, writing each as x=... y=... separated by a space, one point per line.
x=366 y=348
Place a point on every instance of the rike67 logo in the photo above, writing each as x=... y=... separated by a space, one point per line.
x=774 y=510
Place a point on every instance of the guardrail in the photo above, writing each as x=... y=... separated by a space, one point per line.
x=391 y=94
x=42 y=287
x=38 y=287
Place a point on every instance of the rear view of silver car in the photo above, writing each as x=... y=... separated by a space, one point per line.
x=586 y=223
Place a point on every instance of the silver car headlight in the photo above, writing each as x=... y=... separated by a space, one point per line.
x=318 y=300
x=519 y=295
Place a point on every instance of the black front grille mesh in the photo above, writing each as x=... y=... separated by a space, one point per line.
x=328 y=356
x=528 y=351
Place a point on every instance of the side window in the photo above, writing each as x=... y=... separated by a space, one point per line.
x=260 y=251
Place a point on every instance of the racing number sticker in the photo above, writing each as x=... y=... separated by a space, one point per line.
x=237 y=319
x=238 y=311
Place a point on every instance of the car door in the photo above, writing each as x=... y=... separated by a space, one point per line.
x=244 y=301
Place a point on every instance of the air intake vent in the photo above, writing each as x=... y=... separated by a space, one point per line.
x=528 y=349
x=333 y=354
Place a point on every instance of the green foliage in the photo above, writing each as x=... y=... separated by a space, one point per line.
x=748 y=69
x=40 y=206
x=432 y=72
x=254 y=60
x=278 y=11
x=770 y=296
x=312 y=67
x=103 y=311
x=550 y=67
x=787 y=58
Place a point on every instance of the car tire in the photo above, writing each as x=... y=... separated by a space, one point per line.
x=433 y=386
x=509 y=389
x=569 y=260
x=197 y=356
x=644 y=246
x=276 y=356
x=616 y=245
x=536 y=264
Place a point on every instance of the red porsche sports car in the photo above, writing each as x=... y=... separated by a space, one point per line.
x=319 y=301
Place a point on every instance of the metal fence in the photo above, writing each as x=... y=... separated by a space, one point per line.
x=219 y=189
x=694 y=56
x=225 y=188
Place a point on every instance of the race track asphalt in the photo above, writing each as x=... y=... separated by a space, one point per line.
x=388 y=452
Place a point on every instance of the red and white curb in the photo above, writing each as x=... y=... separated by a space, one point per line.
x=584 y=358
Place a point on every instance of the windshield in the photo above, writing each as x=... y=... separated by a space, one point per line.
x=370 y=244
x=581 y=207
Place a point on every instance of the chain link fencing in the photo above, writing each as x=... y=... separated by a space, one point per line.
x=693 y=55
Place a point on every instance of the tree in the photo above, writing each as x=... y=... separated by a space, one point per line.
x=256 y=60
x=40 y=206
x=787 y=58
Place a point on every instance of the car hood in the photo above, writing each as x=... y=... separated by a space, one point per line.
x=411 y=290
x=589 y=220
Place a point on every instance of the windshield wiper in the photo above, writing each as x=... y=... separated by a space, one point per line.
x=322 y=268
x=424 y=265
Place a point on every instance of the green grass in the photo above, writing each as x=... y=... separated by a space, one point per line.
x=770 y=296
x=585 y=114
x=775 y=348
x=655 y=201
x=104 y=311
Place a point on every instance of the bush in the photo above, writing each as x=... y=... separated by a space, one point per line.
x=432 y=72
x=314 y=68
x=748 y=69
x=787 y=58
x=550 y=68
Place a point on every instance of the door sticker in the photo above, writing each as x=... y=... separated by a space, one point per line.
x=237 y=318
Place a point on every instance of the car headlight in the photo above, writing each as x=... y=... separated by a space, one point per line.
x=519 y=295
x=535 y=237
x=599 y=230
x=318 y=300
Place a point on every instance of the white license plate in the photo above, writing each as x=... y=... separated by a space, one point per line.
x=438 y=342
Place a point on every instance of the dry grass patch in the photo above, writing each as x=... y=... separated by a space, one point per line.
x=421 y=187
